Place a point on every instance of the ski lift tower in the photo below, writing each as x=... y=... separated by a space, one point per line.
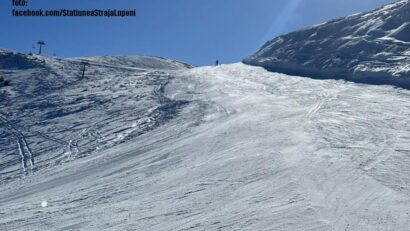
x=84 y=63
x=41 y=44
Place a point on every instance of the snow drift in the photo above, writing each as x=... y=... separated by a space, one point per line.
x=371 y=47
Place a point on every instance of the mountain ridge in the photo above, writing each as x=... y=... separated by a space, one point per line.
x=371 y=47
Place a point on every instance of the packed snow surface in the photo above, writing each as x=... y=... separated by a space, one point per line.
x=371 y=47
x=233 y=147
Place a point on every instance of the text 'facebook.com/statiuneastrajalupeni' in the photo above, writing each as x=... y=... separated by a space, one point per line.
x=74 y=13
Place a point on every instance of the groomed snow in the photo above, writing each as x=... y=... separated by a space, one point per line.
x=245 y=149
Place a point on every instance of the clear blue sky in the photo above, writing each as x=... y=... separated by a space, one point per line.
x=195 y=31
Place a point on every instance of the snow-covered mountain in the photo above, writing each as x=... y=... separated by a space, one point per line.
x=371 y=47
x=145 y=143
x=51 y=111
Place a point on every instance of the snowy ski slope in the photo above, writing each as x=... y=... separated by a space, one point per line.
x=232 y=147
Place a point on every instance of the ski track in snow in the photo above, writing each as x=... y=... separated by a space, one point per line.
x=248 y=150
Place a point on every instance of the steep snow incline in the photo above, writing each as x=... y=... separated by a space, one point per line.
x=13 y=60
x=249 y=150
x=144 y=62
x=50 y=111
x=370 y=47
